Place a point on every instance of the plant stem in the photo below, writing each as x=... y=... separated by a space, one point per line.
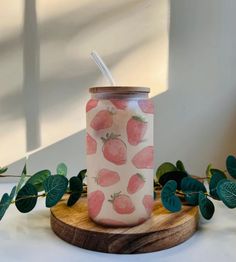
x=180 y=193
x=32 y=196
x=202 y=178
x=13 y=175
x=189 y=193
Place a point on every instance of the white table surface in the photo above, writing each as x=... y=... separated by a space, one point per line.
x=28 y=237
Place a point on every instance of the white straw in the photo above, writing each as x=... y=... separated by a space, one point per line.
x=103 y=68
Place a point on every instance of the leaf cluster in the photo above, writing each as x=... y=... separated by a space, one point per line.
x=42 y=184
x=174 y=180
x=177 y=183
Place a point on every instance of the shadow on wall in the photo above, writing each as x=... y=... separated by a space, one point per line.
x=31 y=53
x=195 y=119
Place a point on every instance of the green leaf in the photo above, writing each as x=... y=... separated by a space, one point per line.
x=217 y=175
x=217 y=172
x=74 y=197
x=189 y=185
x=206 y=207
x=208 y=172
x=169 y=200
x=6 y=201
x=75 y=184
x=62 y=169
x=3 y=169
x=4 y=204
x=13 y=192
x=82 y=174
x=180 y=166
x=226 y=191
x=22 y=179
x=177 y=176
x=26 y=198
x=231 y=165
x=55 y=187
x=165 y=168
x=222 y=181
x=191 y=198
x=154 y=195
x=38 y=178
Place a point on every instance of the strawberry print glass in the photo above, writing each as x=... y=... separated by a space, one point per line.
x=119 y=144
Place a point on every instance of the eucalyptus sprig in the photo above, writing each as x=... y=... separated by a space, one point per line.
x=42 y=184
x=176 y=184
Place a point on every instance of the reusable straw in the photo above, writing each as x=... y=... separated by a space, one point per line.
x=103 y=68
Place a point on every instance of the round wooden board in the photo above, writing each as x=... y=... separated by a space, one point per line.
x=163 y=230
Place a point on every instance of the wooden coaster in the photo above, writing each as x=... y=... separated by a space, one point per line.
x=163 y=230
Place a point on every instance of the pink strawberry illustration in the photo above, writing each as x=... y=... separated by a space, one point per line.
x=114 y=149
x=122 y=204
x=136 y=183
x=103 y=119
x=136 y=129
x=146 y=105
x=144 y=158
x=91 y=145
x=91 y=104
x=148 y=203
x=111 y=222
x=119 y=104
x=95 y=202
x=106 y=177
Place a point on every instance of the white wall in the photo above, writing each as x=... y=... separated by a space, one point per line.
x=196 y=117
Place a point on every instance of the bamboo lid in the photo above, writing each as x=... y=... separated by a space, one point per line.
x=119 y=89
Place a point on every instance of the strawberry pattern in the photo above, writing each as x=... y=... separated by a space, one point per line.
x=114 y=149
x=119 y=104
x=91 y=145
x=119 y=144
x=146 y=106
x=148 y=203
x=91 y=104
x=136 y=129
x=102 y=120
x=106 y=177
x=95 y=201
x=144 y=158
x=136 y=183
x=122 y=204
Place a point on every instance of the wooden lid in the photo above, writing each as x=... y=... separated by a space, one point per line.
x=119 y=89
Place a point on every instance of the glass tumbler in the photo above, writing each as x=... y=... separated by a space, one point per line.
x=119 y=145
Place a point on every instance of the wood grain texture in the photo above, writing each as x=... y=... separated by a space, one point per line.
x=163 y=230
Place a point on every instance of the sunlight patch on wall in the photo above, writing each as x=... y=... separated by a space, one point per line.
x=130 y=35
